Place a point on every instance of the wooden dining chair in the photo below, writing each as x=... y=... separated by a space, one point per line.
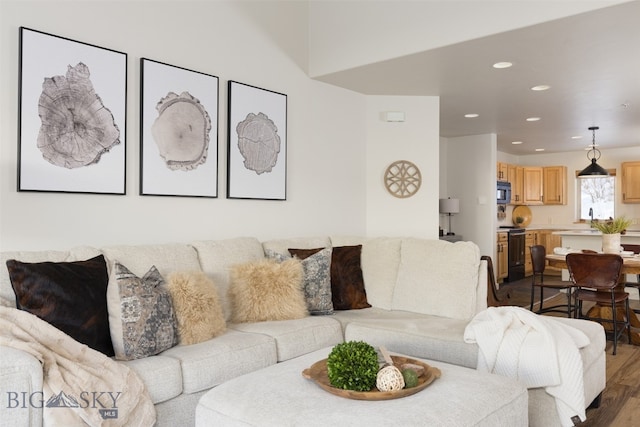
x=492 y=288
x=538 y=255
x=636 y=250
x=595 y=277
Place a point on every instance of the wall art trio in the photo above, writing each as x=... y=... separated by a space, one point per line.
x=72 y=126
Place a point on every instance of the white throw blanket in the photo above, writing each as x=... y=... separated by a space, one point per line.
x=75 y=376
x=537 y=350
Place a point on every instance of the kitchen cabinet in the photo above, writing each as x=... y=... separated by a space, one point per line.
x=502 y=257
x=530 y=239
x=554 y=185
x=501 y=171
x=516 y=178
x=550 y=241
x=630 y=182
x=532 y=185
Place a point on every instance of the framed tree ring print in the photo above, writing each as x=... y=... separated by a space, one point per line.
x=72 y=116
x=257 y=143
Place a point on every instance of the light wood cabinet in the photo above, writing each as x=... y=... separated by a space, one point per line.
x=501 y=171
x=630 y=182
x=502 y=256
x=516 y=178
x=550 y=241
x=530 y=239
x=532 y=185
x=554 y=185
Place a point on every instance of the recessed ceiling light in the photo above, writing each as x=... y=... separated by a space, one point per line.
x=539 y=149
x=541 y=87
x=516 y=142
x=504 y=64
x=533 y=119
x=576 y=137
x=471 y=115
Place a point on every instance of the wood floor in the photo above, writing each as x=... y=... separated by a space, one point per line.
x=620 y=405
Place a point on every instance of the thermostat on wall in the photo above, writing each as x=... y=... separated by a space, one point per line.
x=394 y=116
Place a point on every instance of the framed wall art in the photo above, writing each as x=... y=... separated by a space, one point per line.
x=72 y=116
x=178 y=131
x=257 y=149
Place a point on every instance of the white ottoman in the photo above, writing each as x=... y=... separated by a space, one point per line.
x=279 y=396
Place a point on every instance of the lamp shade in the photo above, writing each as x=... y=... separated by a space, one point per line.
x=449 y=206
x=593 y=170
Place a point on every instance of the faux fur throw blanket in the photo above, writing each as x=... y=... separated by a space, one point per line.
x=82 y=386
x=537 y=350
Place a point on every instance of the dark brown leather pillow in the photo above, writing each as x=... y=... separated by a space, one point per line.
x=72 y=296
x=347 y=283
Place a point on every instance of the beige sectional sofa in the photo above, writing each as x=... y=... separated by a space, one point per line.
x=423 y=293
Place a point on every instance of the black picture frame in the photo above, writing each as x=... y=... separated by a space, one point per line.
x=257 y=143
x=72 y=116
x=178 y=131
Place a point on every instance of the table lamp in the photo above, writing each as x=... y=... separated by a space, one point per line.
x=450 y=206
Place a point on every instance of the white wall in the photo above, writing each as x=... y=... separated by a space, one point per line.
x=470 y=176
x=263 y=44
x=416 y=140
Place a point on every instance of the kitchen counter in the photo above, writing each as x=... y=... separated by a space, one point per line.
x=593 y=232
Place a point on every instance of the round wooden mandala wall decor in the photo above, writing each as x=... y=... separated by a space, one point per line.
x=402 y=179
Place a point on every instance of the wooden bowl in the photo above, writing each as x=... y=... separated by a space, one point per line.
x=318 y=373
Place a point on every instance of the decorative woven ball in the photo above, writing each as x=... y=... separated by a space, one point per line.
x=389 y=379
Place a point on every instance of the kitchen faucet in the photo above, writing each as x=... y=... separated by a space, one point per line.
x=591 y=215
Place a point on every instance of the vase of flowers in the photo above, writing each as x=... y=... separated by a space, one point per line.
x=611 y=230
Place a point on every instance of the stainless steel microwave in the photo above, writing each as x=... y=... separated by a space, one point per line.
x=503 y=193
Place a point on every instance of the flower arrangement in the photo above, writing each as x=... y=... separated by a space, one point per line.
x=612 y=226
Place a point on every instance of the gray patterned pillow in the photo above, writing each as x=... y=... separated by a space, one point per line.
x=149 y=323
x=317 y=279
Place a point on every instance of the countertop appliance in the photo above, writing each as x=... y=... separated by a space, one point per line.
x=516 y=254
x=503 y=192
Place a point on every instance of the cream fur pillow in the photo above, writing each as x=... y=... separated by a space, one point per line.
x=197 y=307
x=267 y=290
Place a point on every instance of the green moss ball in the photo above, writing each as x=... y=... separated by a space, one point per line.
x=353 y=365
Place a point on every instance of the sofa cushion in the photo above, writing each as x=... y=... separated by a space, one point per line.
x=6 y=290
x=69 y=295
x=210 y=363
x=437 y=338
x=197 y=306
x=160 y=374
x=267 y=290
x=145 y=312
x=438 y=277
x=317 y=279
x=217 y=256
x=347 y=283
x=297 y=337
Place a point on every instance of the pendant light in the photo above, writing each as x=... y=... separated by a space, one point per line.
x=594 y=169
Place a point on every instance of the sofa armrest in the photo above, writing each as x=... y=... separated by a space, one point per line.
x=483 y=289
x=21 y=398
